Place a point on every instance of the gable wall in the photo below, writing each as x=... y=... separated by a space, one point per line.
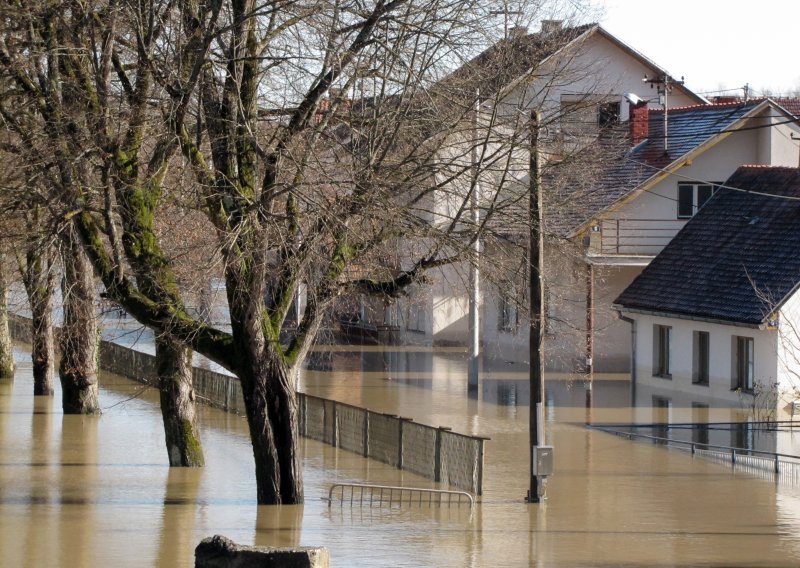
x=595 y=66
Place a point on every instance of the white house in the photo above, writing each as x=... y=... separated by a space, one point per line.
x=578 y=76
x=717 y=312
x=619 y=221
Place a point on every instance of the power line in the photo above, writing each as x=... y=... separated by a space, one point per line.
x=714 y=184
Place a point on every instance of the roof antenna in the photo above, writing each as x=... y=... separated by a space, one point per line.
x=665 y=83
x=506 y=12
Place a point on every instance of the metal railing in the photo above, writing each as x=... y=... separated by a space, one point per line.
x=637 y=236
x=783 y=467
x=390 y=496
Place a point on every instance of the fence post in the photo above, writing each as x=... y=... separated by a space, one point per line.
x=733 y=455
x=479 y=488
x=437 y=466
x=366 y=433
x=777 y=467
x=335 y=426
x=400 y=449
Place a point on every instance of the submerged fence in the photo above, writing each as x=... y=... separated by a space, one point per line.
x=434 y=453
x=774 y=466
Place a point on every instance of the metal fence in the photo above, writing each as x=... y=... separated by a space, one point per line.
x=393 y=496
x=774 y=466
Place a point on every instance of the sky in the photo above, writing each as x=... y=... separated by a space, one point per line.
x=714 y=44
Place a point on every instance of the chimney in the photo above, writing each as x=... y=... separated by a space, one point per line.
x=517 y=32
x=550 y=26
x=639 y=121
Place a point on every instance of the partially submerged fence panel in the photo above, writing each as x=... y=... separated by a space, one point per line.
x=434 y=453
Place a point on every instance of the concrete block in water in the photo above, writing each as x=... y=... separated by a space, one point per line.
x=220 y=552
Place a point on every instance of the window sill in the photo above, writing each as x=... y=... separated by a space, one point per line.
x=660 y=376
x=701 y=383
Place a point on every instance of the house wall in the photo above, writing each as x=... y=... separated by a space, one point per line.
x=652 y=216
x=566 y=279
x=720 y=355
x=789 y=348
x=598 y=66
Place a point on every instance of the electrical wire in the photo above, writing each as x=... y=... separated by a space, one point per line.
x=715 y=184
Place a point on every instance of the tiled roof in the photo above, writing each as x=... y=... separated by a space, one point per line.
x=736 y=260
x=509 y=59
x=791 y=104
x=688 y=128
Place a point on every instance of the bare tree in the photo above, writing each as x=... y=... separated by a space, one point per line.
x=319 y=138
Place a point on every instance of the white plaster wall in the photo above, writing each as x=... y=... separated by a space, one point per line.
x=789 y=348
x=597 y=66
x=720 y=353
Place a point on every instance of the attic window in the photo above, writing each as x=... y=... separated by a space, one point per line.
x=608 y=114
x=692 y=196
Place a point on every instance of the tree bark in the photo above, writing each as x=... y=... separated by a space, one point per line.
x=174 y=363
x=78 y=367
x=39 y=287
x=6 y=346
x=271 y=407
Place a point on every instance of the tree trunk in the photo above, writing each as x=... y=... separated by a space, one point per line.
x=39 y=286
x=174 y=363
x=78 y=367
x=271 y=406
x=6 y=346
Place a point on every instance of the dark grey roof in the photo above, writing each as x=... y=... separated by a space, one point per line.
x=736 y=260
x=688 y=128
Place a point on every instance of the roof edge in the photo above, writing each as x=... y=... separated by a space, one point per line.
x=676 y=315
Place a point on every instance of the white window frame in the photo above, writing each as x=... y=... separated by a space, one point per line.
x=743 y=363
x=695 y=187
x=701 y=360
x=662 y=351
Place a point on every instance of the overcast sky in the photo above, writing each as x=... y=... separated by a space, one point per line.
x=714 y=43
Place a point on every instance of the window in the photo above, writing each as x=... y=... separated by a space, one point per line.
x=662 y=351
x=415 y=318
x=700 y=358
x=692 y=196
x=508 y=311
x=742 y=376
x=608 y=115
x=587 y=115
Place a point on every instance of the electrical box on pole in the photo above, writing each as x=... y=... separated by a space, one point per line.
x=537 y=323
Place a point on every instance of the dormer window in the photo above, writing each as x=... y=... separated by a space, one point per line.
x=692 y=196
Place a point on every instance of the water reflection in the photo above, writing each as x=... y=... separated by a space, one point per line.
x=82 y=491
x=279 y=526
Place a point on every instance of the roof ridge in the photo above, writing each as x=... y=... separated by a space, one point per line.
x=711 y=105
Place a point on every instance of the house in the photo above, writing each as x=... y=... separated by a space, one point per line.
x=578 y=77
x=717 y=312
x=604 y=232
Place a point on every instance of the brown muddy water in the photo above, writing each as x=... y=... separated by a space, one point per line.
x=96 y=491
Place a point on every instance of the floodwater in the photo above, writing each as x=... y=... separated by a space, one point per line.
x=96 y=491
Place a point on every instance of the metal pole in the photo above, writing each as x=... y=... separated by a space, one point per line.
x=536 y=245
x=474 y=273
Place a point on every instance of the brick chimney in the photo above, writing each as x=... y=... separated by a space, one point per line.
x=639 y=120
x=550 y=26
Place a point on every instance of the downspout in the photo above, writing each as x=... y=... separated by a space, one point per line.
x=633 y=355
x=589 y=324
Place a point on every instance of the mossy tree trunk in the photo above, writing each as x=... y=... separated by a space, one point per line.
x=6 y=346
x=39 y=285
x=174 y=363
x=78 y=341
